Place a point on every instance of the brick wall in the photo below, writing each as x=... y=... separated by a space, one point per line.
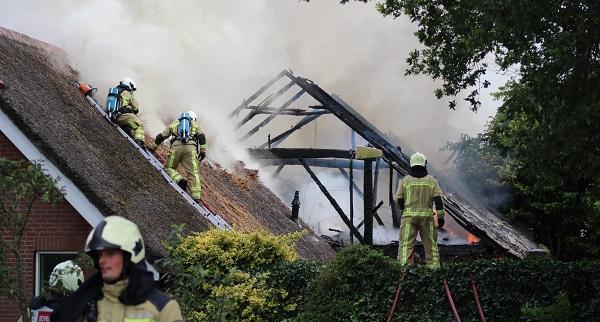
x=8 y=150
x=58 y=228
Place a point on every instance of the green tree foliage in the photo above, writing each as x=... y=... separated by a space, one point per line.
x=545 y=128
x=21 y=185
x=556 y=188
x=554 y=44
x=223 y=275
x=360 y=285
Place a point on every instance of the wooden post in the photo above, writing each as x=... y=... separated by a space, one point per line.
x=351 y=180
x=395 y=219
x=368 y=201
x=376 y=180
x=296 y=206
x=334 y=203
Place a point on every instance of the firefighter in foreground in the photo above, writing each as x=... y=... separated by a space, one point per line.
x=416 y=195
x=188 y=148
x=123 y=288
x=128 y=109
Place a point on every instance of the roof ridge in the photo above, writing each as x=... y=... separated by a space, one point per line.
x=30 y=41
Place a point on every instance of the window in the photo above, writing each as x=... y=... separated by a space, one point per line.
x=44 y=263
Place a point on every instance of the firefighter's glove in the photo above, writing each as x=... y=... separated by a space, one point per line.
x=201 y=156
x=441 y=222
x=152 y=147
x=182 y=184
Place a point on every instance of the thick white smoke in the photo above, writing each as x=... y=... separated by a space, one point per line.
x=209 y=55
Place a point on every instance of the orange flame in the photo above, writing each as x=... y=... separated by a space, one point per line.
x=471 y=239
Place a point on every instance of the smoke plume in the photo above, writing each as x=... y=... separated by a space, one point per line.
x=209 y=56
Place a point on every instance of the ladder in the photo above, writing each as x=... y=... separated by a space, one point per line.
x=202 y=209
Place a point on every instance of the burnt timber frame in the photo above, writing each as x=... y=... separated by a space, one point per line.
x=477 y=220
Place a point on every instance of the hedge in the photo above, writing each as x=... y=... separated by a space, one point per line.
x=360 y=284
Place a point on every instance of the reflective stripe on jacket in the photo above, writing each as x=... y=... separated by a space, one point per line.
x=418 y=194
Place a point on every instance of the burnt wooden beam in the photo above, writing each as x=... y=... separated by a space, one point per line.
x=391 y=195
x=294 y=112
x=351 y=186
x=320 y=163
x=334 y=203
x=360 y=193
x=258 y=109
x=355 y=121
x=376 y=180
x=266 y=102
x=259 y=92
x=245 y=120
x=368 y=201
x=298 y=153
x=273 y=115
x=278 y=170
x=272 y=109
x=276 y=140
x=374 y=216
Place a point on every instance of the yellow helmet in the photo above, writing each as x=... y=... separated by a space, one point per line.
x=116 y=232
x=418 y=158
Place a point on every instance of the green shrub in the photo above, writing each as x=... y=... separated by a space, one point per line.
x=221 y=275
x=352 y=287
x=294 y=278
x=360 y=284
x=556 y=312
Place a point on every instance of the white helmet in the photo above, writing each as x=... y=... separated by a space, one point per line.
x=418 y=159
x=68 y=274
x=129 y=83
x=116 y=232
x=192 y=115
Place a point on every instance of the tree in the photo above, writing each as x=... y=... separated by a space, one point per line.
x=21 y=185
x=546 y=126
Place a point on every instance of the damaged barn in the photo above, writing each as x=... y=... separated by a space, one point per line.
x=477 y=231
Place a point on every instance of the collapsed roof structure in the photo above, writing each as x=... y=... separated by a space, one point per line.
x=482 y=223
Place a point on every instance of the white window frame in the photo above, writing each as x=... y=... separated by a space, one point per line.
x=38 y=269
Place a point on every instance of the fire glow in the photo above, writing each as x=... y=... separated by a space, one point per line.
x=471 y=239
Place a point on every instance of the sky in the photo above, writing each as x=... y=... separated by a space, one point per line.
x=208 y=56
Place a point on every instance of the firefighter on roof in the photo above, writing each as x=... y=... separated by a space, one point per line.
x=416 y=195
x=188 y=148
x=128 y=109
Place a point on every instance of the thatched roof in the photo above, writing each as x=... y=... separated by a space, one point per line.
x=248 y=205
x=43 y=103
